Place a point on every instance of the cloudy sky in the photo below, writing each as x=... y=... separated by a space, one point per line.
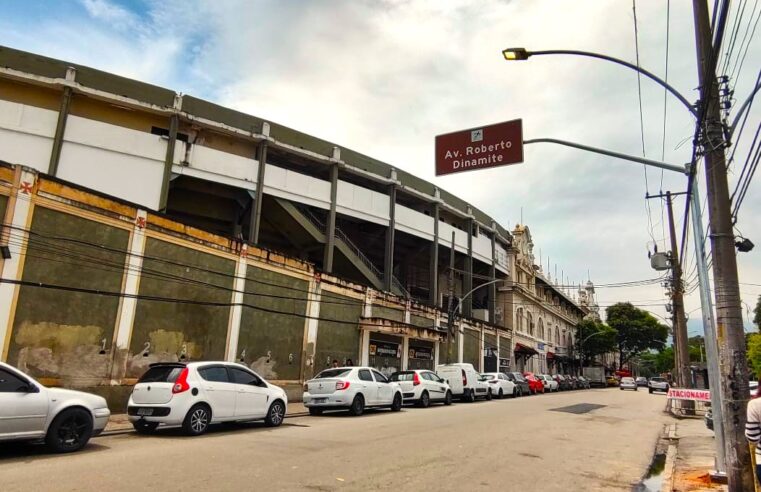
x=384 y=77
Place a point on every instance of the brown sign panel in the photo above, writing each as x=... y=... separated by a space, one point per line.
x=480 y=148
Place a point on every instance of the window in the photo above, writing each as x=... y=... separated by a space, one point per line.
x=519 y=319
x=364 y=375
x=10 y=383
x=239 y=376
x=161 y=374
x=333 y=373
x=541 y=329
x=380 y=377
x=216 y=374
x=402 y=376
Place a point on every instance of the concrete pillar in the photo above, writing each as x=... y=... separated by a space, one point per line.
x=367 y=308
x=405 y=352
x=128 y=303
x=330 y=228
x=460 y=341
x=388 y=258
x=174 y=122
x=60 y=129
x=499 y=355
x=433 y=268
x=364 y=349
x=239 y=286
x=467 y=304
x=18 y=216
x=407 y=311
x=256 y=209
x=481 y=348
x=436 y=346
x=312 y=323
x=493 y=275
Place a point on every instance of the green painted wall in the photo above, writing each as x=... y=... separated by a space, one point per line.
x=388 y=313
x=452 y=351
x=273 y=343
x=57 y=333
x=490 y=341
x=168 y=326
x=337 y=340
x=471 y=350
x=421 y=321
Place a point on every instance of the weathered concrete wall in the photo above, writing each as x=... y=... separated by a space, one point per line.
x=490 y=341
x=271 y=343
x=421 y=321
x=337 y=340
x=171 y=331
x=471 y=351
x=388 y=313
x=64 y=334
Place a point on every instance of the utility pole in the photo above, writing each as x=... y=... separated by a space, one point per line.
x=450 y=308
x=733 y=365
x=678 y=317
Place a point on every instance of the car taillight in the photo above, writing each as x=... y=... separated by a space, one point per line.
x=415 y=379
x=342 y=385
x=181 y=383
x=464 y=378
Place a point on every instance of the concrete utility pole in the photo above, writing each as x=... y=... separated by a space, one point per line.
x=733 y=365
x=450 y=308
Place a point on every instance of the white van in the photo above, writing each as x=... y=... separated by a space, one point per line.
x=464 y=381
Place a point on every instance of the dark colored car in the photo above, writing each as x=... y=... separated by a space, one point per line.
x=584 y=383
x=641 y=381
x=521 y=385
x=573 y=384
x=534 y=383
x=563 y=382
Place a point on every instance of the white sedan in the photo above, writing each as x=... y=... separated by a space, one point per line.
x=549 y=383
x=64 y=419
x=500 y=385
x=198 y=394
x=628 y=383
x=352 y=388
x=422 y=387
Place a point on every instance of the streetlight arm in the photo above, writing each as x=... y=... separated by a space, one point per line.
x=641 y=160
x=618 y=61
x=744 y=107
x=459 y=301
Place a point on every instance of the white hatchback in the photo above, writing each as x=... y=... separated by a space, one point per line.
x=64 y=419
x=352 y=388
x=549 y=383
x=423 y=387
x=198 y=394
x=500 y=385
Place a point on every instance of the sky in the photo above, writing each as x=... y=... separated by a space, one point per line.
x=384 y=77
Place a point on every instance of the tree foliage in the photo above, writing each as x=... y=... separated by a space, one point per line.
x=754 y=352
x=594 y=338
x=757 y=314
x=638 y=330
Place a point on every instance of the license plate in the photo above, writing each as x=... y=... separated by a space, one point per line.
x=319 y=400
x=145 y=411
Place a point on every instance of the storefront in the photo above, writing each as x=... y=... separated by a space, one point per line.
x=420 y=354
x=390 y=346
x=522 y=355
x=385 y=353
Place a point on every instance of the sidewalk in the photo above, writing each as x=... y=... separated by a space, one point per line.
x=690 y=458
x=119 y=423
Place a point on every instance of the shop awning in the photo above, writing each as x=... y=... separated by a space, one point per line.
x=524 y=349
x=550 y=355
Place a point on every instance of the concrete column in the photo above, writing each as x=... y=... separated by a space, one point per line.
x=256 y=209
x=312 y=323
x=436 y=346
x=405 y=352
x=407 y=311
x=460 y=341
x=128 y=303
x=493 y=275
x=433 y=293
x=239 y=286
x=467 y=304
x=498 y=352
x=18 y=217
x=60 y=129
x=174 y=122
x=367 y=308
x=364 y=349
x=330 y=228
x=481 y=348
x=388 y=259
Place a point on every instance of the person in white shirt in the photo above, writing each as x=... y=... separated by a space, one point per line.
x=753 y=431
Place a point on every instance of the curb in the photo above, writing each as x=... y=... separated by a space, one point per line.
x=130 y=430
x=670 y=465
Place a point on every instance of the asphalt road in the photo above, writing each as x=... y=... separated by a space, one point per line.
x=521 y=444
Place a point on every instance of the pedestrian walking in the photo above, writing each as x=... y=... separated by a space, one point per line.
x=753 y=431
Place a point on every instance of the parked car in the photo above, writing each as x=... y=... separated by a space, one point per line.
x=352 y=388
x=573 y=384
x=464 y=381
x=521 y=385
x=641 y=381
x=628 y=383
x=549 y=384
x=657 y=384
x=535 y=385
x=422 y=387
x=198 y=394
x=563 y=383
x=595 y=375
x=64 y=420
x=500 y=384
x=612 y=381
x=584 y=383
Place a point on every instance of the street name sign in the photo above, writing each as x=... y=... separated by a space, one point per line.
x=480 y=148
x=689 y=394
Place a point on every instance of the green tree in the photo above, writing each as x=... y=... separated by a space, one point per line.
x=638 y=330
x=757 y=314
x=754 y=352
x=594 y=338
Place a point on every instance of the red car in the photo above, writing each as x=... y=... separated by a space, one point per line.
x=535 y=385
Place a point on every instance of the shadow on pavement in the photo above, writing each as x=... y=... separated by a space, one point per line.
x=25 y=451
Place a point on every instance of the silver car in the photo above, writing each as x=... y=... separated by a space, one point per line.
x=352 y=388
x=628 y=383
x=657 y=384
x=64 y=419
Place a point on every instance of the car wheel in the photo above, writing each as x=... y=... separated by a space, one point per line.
x=488 y=395
x=650 y=390
x=448 y=398
x=315 y=411
x=468 y=397
x=276 y=414
x=70 y=431
x=425 y=400
x=145 y=427
x=500 y=395
x=197 y=420
x=397 y=403
x=357 y=406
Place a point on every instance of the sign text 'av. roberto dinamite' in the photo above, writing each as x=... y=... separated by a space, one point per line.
x=480 y=148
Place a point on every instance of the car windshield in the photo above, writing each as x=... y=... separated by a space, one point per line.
x=490 y=375
x=657 y=380
x=161 y=374
x=403 y=376
x=333 y=373
x=627 y=380
x=519 y=377
x=484 y=377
